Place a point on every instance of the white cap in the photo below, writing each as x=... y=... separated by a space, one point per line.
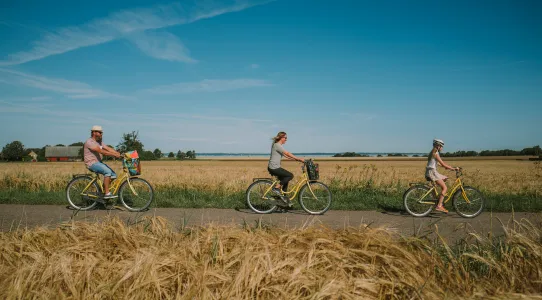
x=97 y=128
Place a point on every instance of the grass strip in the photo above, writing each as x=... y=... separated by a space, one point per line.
x=343 y=199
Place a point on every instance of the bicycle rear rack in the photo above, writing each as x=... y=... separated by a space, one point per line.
x=255 y=179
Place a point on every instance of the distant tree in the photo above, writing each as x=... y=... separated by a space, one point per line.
x=41 y=153
x=78 y=144
x=13 y=151
x=460 y=154
x=171 y=155
x=146 y=155
x=535 y=151
x=396 y=155
x=157 y=153
x=189 y=154
x=505 y=152
x=105 y=157
x=130 y=142
x=350 y=154
x=60 y=145
x=181 y=155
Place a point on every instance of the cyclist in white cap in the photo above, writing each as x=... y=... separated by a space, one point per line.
x=431 y=173
x=93 y=151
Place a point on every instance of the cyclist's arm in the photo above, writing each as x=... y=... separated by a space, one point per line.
x=111 y=150
x=437 y=157
x=292 y=157
x=104 y=151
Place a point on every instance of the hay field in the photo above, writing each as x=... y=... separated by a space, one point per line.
x=511 y=177
x=149 y=259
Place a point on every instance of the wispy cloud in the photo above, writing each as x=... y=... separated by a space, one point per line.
x=40 y=110
x=71 y=89
x=40 y=98
x=123 y=23
x=162 y=45
x=254 y=66
x=208 y=85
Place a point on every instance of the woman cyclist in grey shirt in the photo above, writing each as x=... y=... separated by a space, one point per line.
x=274 y=168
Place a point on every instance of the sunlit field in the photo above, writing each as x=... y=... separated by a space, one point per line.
x=149 y=259
x=179 y=182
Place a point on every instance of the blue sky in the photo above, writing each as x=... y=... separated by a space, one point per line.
x=226 y=76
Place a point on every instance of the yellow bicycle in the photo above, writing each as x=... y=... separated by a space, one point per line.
x=313 y=196
x=85 y=191
x=420 y=199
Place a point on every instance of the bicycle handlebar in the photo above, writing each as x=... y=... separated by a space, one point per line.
x=458 y=171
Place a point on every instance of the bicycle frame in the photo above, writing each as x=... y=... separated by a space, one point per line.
x=115 y=185
x=458 y=184
x=297 y=186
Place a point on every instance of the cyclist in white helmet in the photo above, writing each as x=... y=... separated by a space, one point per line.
x=431 y=173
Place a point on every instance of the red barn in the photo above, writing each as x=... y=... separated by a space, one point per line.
x=59 y=153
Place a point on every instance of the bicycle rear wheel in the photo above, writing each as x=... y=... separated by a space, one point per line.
x=468 y=208
x=258 y=200
x=80 y=198
x=317 y=199
x=418 y=202
x=141 y=199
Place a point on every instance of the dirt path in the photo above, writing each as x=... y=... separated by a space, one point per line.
x=450 y=226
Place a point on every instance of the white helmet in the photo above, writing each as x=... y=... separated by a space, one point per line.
x=437 y=142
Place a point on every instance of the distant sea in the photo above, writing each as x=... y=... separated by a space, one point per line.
x=317 y=154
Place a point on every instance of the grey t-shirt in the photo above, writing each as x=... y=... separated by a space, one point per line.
x=277 y=151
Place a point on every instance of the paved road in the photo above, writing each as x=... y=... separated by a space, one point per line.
x=450 y=226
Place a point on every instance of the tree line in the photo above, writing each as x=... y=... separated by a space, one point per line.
x=530 y=151
x=16 y=151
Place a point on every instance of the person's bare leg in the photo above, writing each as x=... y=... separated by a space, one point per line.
x=107 y=181
x=443 y=192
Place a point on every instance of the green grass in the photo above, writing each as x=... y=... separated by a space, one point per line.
x=367 y=198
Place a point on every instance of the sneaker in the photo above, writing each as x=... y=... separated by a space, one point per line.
x=285 y=200
x=277 y=191
x=110 y=196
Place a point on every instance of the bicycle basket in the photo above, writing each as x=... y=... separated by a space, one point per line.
x=131 y=163
x=313 y=170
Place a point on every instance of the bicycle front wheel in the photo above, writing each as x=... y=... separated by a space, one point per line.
x=81 y=193
x=138 y=199
x=418 y=202
x=470 y=204
x=258 y=200
x=315 y=198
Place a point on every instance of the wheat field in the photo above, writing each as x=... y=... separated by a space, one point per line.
x=148 y=259
x=512 y=177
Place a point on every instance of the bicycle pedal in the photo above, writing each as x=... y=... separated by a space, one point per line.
x=99 y=200
x=284 y=203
